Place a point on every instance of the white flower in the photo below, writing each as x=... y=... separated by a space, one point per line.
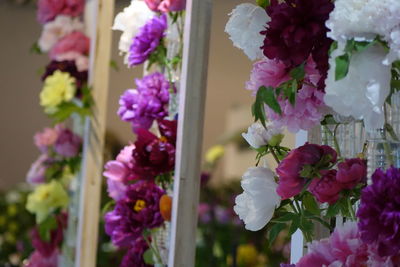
x=258 y=136
x=364 y=20
x=81 y=61
x=244 y=27
x=129 y=22
x=256 y=205
x=53 y=31
x=362 y=93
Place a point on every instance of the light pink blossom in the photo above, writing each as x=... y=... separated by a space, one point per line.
x=166 y=5
x=49 y=9
x=73 y=42
x=45 y=138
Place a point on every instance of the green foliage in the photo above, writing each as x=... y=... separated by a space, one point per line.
x=148 y=257
x=46 y=227
x=35 y=49
x=265 y=96
x=263 y=3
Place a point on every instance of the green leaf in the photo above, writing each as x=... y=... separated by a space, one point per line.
x=294 y=226
x=292 y=95
x=310 y=204
x=333 y=210
x=333 y=47
x=298 y=73
x=342 y=66
x=263 y=3
x=268 y=97
x=285 y=218
x=274 y=232
x=328 y=120
x=46 y=227
x=148 y=257
x=306 y=225
x=114 y=65
x=35 y=49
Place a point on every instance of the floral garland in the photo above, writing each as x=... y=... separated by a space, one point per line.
x=321 y=62
x=139 y=180
x=65 y=95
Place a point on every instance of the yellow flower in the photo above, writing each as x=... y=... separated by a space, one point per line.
x=57 y=88
x=45 y=199
x=247 y=255
x=215 y=153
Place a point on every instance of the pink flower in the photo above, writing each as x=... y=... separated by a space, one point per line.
x=267 y=73
x=326 y=189
x=81 y=61
x=49 y=9
x=38 y=260
x=36 y=174
x=73 y=42
x=166 y=5
x=45 y=138
x=290 y=182
x=351 y=172
x=68 y=143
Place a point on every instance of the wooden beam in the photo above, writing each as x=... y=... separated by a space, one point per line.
x=192 y=97
x=99 y=15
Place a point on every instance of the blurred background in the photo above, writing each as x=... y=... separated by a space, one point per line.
x=222 y=238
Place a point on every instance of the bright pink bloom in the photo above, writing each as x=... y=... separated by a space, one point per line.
x=267 y=73
x=73 y=42
x=290 y=182
x=351 y=172
x=49 y=9
x=166 y=5
x=38 y=260
x=326 y=189
x=45 y=138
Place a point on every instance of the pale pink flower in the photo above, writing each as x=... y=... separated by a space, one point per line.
x=166 y=5
x=45 y=138
x=49 y=9
x=73 y=42
x=81 y=61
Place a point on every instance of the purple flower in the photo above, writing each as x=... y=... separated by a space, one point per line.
x=147 y=103
x=134 y=256
x=147 y=40
x=68 y=144
x=326 y=188
x=287 y=265
x=139 y=210
x=66 y=66
x=37 y=172
x=379 y=212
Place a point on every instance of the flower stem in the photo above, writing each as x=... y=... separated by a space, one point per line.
x=274 y=155
x=351 y=210
x=154 y=249
x=333 y=135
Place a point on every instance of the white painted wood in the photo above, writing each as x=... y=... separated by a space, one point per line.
x=190 y=133
x=99 y=15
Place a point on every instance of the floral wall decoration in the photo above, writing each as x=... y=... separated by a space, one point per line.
x=333 y=65
x=66 y=99
x=140 y=179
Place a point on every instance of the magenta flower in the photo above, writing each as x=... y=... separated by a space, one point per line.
x=49 y=9
x=138 y=210
x=38 y=260
x=68 y=144
x=74 y=42
x=166 y=5
x=148 y=102
x=267 y=73
x=379 y=212
x=326 y=188
x=297 y=30
x=134 y=256
x=351 y=172
x=147 y=40
x=290 y=181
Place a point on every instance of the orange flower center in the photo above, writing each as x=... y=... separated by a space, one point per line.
x=163 y=139
x=139 y=205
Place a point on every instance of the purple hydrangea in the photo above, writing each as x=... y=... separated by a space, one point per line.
x=139 y=210
x=379 y=212
x=134 y=256
x=149 y=101
x=147 y=40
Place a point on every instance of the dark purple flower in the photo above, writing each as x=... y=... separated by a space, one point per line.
x=351 y=172
x=139 y=210
x=134 y=256
x=297 y=30
x=148 y=102
x=147 y=40
x=68 y=144
x=69 y=67
x=326 y=188
x=289 y=170
x=153 y=156
x=287 y=265
x=379 y=212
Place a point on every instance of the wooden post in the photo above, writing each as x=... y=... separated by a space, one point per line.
x=190 y=133
x=99 y=15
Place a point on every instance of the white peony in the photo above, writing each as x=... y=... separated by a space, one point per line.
x=54 y=30
x=258 y=136
x=256 y=205
x=364 y=20
x=244 y=27
x=129 y=21
x=362 y=93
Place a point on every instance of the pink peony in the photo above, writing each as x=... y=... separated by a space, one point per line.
x=49 y=9
x=43 y=140
x=309 y=107
x=73 y=42
x=351 y=172
x=166 y=5
x=290 y=182
x=267 y=73
x=326 y=189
